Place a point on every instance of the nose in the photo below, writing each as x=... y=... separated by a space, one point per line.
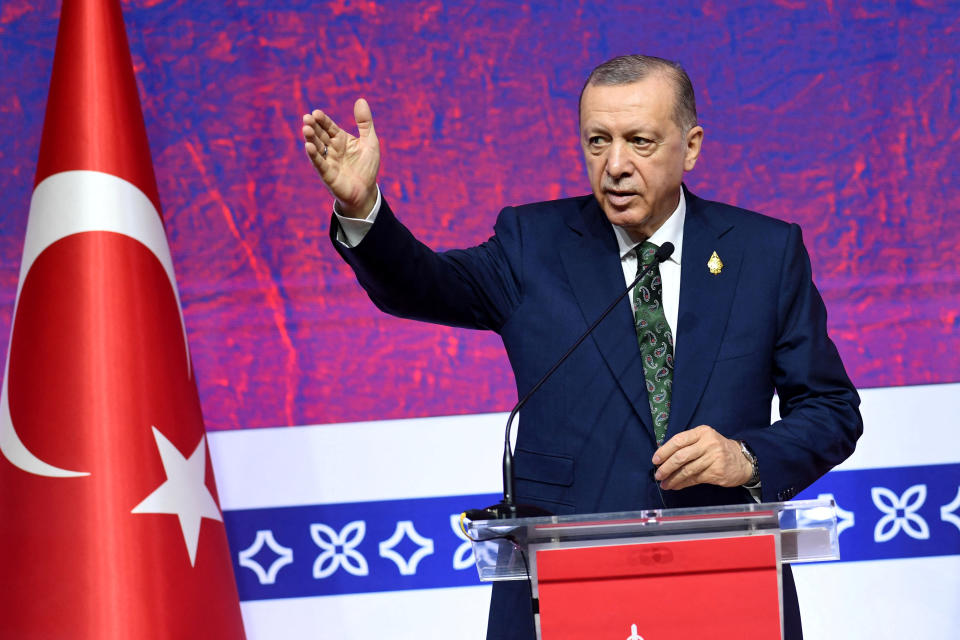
x=618 y=160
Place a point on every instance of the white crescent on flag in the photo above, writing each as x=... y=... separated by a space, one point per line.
x=65 y=204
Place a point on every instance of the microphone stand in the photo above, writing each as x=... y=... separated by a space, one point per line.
x=508 y=508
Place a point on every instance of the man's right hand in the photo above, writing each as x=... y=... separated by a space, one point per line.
x=347 y=164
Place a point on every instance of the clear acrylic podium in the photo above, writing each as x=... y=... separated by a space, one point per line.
x=712 y=572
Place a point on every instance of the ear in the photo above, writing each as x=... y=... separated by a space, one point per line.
x=693 y=141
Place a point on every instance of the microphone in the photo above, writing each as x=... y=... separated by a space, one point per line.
x=508 y=508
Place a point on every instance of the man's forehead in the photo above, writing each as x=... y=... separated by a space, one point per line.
x=647 y=102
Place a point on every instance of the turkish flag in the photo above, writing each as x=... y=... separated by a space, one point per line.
x=109 y=516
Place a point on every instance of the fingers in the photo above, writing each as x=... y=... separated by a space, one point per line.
x=364 y=118
x=320 y=131
x=325 y=124
x=312 y=131
x=317 y=141
x=674 y=444
x=313 y=147
x=695 y=472
x=677 y=452
x=313 y=144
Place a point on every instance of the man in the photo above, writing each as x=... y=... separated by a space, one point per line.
x=668 y=402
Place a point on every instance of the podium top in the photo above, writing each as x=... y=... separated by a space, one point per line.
x=808 y=530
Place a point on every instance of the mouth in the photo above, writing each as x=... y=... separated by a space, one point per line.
x=619 y=198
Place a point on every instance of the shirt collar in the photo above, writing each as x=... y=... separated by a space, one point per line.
x=670 y=231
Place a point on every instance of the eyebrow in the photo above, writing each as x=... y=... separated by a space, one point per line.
x=644 y=131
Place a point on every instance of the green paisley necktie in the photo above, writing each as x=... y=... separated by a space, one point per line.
x=656 y=340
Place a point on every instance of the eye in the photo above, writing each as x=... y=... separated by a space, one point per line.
x=640 y=141
x=596 y=141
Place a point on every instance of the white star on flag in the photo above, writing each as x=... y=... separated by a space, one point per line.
x=185 y=492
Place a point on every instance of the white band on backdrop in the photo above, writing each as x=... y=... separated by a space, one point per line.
x=892 y=581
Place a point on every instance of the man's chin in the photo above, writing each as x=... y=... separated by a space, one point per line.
x=628 y=218
x=638 y=221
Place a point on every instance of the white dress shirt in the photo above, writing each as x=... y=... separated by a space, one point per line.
x=669 y=231
x=353 y=230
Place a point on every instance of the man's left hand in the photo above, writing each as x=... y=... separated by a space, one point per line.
x=701 y=456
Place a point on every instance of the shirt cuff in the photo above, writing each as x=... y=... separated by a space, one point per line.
x=352 y=231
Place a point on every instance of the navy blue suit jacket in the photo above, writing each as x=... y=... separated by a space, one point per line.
x=586 y=439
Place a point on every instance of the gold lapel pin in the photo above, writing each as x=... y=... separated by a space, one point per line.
x=715 y=264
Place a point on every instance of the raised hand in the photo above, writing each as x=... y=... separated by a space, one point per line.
x=347 y=164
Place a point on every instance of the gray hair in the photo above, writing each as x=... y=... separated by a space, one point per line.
x=630 y=69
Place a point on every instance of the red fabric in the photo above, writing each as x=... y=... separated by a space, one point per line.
x=723 y=588
x=93 y=118
x=97 y=360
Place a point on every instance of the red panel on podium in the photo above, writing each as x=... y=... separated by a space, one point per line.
x=720 y=588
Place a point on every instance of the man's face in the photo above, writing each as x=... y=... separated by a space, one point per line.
x=636 y=154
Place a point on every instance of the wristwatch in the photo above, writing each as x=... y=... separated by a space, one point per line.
x=754 y=481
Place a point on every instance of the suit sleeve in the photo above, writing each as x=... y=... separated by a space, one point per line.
x=476 y=288
x=820 y=419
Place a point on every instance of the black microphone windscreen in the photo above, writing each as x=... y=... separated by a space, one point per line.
x=664 y=252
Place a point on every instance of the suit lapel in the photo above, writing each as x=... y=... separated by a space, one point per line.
x=591 y=260
x=705 y=302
